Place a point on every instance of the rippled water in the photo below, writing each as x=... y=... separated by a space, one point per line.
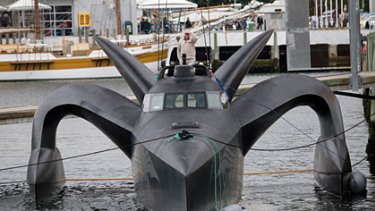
x=294 y=191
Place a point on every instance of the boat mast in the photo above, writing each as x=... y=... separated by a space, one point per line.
x=37 y=20
x=118 y=16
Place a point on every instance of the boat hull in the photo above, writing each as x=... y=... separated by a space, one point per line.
x=197 y=174
x=66 y=74
x=42 y=68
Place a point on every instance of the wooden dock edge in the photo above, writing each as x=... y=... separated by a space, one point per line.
x=336 y=82
x=17 y=114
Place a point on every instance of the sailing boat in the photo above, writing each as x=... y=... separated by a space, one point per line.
x=41 y=61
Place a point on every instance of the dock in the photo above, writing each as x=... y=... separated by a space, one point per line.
x=17 y=114
x=10 y=30
x=23 y=114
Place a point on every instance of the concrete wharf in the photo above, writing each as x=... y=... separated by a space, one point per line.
x=9 y=30
x=335 y=82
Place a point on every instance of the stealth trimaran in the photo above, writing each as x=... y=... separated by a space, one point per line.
x=188 y=138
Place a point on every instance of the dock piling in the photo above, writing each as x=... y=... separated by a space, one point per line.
x=216 y=47
x=369 y=109
x=275 y=48
x=80 y=34
x=127 y=34
x=14 y=38
x=86 y=34
x=7 y=38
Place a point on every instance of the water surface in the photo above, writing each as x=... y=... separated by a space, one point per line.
x=295 y=191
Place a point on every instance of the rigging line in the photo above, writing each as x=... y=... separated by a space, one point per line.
x=336 y=92
x=83 y=155
x=130 y=178
x=13 y=182
x=245 y=173
x=318 y=142
x=280 y=116
x=348 y=94
x=218 y=141
x=209 y=34
x=291 y=148
x=363 y=159
x=158 y=36
x=178 y=22
x=204 y=35
x=162 y=44
x=151 y=140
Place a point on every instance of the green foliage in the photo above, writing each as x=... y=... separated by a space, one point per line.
x=259 y=66
x=265 y=66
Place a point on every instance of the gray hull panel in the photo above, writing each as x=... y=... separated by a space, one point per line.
x=208 y=174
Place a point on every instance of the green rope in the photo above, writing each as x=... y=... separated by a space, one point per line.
x=216 y=153
x=215 y=172
x=174 y=138
x=217 y=162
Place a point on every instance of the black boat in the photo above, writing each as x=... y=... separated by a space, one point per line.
x=188 y=138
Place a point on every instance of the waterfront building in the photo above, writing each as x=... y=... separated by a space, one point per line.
x=62 y=19
x=274 y=15
x=372 y=6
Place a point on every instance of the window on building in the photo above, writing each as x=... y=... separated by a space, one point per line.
x=58 y=21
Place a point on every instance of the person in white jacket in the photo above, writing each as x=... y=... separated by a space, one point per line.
x=186 y=46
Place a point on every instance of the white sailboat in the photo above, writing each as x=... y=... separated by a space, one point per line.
x=40 y=60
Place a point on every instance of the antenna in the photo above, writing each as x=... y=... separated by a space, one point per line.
x=209 y=34
x=205 y=41
x=162 y=45
x=157 y=36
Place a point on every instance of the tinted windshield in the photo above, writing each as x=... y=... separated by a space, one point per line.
x=168 y=101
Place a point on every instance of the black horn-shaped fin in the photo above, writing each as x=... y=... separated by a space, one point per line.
x=136 y=74
x=110 y=112
x=266 y=102
x=235 y=68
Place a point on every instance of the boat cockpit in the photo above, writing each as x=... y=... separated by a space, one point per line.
x=183 y=100
x=186 y=92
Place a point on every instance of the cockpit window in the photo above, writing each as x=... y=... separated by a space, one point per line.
x=168 y=101
x=153 y=102
x=214 y=100
x=174 y=100
x=196 y=100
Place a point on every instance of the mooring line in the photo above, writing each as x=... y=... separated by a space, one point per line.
x=245 y=174
x=99 y=179
x=354 y=95
x=131 y=178
x=255 y=149
x=277 y=172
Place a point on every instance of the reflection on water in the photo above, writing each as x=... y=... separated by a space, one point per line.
x=294 y=191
